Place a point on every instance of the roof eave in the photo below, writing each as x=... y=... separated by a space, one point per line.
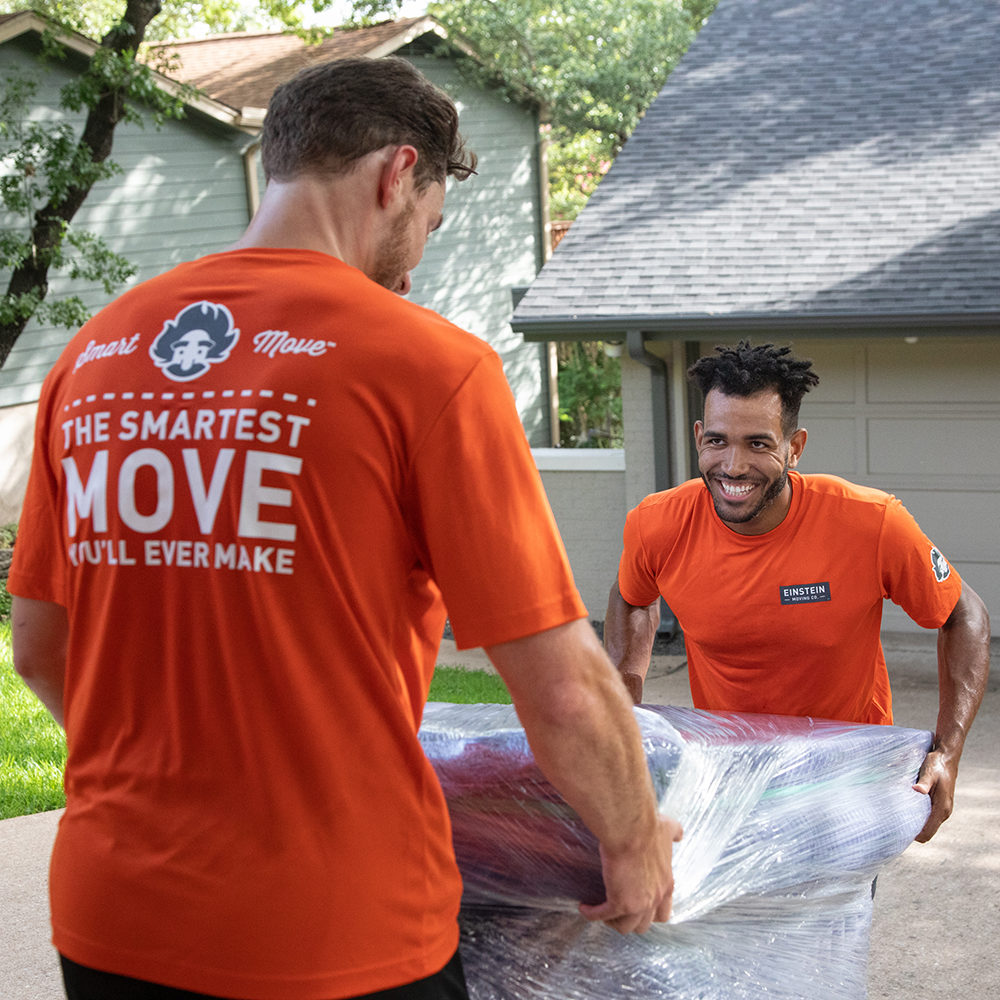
x=697 y=327
x=28 y=21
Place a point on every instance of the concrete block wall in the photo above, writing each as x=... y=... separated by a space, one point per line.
x=586 y=488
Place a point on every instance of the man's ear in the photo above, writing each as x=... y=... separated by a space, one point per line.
x=796 y=444
x=699 y=430
x=399 y=165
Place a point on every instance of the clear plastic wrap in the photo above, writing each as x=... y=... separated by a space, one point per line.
x=786 y=823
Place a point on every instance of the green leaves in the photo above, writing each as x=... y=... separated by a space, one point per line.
x=590 y=404
x=41 y=162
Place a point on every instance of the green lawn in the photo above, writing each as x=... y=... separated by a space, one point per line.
x=33 y=748
x=467 y=687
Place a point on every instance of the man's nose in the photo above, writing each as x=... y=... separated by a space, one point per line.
x=734 y=462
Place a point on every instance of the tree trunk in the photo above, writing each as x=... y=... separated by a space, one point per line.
x=96 y=140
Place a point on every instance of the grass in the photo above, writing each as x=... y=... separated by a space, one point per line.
x=33 y=747
x=467 y=687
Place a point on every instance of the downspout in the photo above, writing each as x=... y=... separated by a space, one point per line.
x=251 y=157
x=659 y=373
x=636 y=344
x=550 y=355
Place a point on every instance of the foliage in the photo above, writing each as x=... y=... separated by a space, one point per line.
x=32 y=745
x=177 y=19
x=8 y=532
x=576 y=166
x=590 y=404
x=49 y=170
x=41 y=161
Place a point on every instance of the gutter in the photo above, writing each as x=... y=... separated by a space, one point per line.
x=635 y=341
x=698 y=327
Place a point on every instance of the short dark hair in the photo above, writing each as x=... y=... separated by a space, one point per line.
x=330 y=115
x=745 y=370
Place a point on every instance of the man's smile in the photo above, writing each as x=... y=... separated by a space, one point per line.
x=735 y=490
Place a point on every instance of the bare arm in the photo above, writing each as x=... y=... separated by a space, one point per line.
x=40 y=631
x=963 y=669
x=578 y=720
x=629 y=633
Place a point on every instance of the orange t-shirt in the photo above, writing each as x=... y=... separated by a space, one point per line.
x=259 y=480
x=787 y=622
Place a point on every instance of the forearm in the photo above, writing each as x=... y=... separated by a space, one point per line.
x=40 y=632
x=629 y=634
x=963 y=671
x=585 y=738
x=587 y=744
x=582 y=732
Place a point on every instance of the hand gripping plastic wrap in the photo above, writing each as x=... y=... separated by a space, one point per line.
x=787 y=821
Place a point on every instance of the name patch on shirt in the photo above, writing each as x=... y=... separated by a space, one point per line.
x=805 y=593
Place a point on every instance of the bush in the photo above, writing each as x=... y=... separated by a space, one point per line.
x=8 y=532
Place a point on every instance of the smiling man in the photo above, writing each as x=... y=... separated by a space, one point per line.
x=777 y=579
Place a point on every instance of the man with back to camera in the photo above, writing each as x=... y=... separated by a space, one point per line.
x=249 y=506
x=777 y=579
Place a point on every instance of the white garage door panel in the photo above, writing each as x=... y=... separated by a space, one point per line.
x=962 y=525
x=830 y=447
x=933 y=371
x=922 y=421
x=936 y=447
x=833 y=362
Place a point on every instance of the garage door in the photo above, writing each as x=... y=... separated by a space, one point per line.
x=920 y=418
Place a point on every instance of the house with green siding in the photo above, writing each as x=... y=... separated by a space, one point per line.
x=189 y=187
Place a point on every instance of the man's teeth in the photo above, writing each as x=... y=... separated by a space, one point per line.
x=734 y=490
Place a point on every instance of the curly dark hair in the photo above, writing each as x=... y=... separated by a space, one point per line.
x=745 y=370
x=330 y=115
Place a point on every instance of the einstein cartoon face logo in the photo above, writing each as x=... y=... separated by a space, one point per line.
x=199 y=336
x=940 y=566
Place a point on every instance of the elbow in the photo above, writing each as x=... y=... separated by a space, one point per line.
x=970 y=616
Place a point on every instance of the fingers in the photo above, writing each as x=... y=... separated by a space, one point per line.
x=623 y=923
x=640 y=888
x=937 y=780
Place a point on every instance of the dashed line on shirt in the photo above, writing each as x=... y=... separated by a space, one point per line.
x=108 y=397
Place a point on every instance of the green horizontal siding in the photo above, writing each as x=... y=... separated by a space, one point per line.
x=491 y=236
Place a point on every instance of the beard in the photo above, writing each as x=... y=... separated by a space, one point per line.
x=770 y=495
x=393 y=254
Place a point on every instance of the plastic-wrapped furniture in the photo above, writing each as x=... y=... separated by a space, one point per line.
x=786 y=823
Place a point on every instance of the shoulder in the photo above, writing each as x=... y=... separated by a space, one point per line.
x=835 y=491
x=664 y=514
x=684 y=497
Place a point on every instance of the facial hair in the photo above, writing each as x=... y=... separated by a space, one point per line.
x=392 y=255
x=773 y=492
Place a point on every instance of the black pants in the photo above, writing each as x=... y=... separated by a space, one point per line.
x=88 y=984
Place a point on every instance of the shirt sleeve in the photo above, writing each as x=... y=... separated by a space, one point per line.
x=484 y=524
x=915 y=573
x=636 y=577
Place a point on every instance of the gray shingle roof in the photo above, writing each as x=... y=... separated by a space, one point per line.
x=807 y=159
